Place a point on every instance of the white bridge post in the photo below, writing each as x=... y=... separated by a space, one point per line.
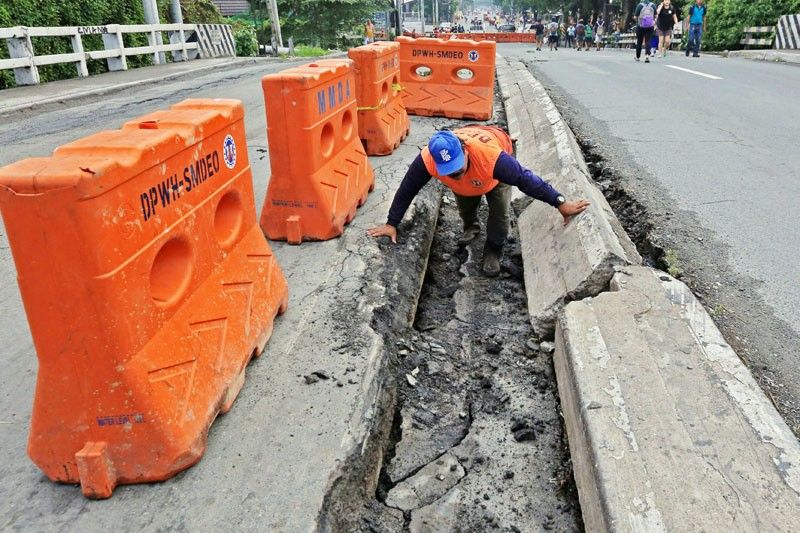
x=20 y=47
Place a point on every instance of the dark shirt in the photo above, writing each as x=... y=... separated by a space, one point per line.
x=666 y=18
x=538 y=28
x=506 y=170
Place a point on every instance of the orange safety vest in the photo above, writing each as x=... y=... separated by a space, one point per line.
x=483 y=145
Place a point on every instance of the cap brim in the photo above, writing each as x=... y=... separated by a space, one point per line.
x=452 y=166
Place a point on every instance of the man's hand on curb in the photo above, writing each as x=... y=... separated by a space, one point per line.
x=386 y=230
x=569 y=209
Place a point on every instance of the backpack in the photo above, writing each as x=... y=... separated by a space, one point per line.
x=588 y=31
x=553 y=28
x=647 y=16
x=580 y=29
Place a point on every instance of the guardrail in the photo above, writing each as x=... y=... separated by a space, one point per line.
x=24 y=61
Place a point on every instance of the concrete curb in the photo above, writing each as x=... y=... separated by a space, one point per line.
x=774 y=56
x=667 y=428
x=562 y=263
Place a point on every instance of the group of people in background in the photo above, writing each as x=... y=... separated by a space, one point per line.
x=650 y=21
x=662 y=20
x=580 y=34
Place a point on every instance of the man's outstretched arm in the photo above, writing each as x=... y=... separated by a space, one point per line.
x=415 y=179
x=508 y=170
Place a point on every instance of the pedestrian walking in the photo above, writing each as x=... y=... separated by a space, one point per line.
x=580 y=35
x=552 y=35
x=588 y=37
x=666 y=18
x=539 y=29
x=571 y=36
x=475 y=161
x=600 y=32
x=697 y=26
x=369 y=32
x=645 y=15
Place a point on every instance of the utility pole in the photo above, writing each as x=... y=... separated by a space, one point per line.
x=175 y=12
x=176 y=17
x=435 y=12
x=398 y=21
x=151 y=17
x=422 y=16
x=276 y=22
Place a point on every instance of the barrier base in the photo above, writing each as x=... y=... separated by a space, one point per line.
x=177 y=404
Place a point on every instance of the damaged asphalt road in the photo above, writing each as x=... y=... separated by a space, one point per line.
x=477 y=441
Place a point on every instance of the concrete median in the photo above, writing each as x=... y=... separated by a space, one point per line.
x=562 y=263
x=668 y=430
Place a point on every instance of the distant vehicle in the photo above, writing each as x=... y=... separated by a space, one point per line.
x=509 y=28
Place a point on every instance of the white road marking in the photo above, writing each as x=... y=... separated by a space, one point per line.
x=694 y=72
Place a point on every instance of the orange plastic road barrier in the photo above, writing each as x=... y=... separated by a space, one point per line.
x=320 y=171
x=452 y=78
x=382 y=119
x=500 y=37
x=148 y=287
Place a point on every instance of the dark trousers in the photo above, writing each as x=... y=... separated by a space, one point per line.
x=695 y=36
x=499 y=200
x=646 y=35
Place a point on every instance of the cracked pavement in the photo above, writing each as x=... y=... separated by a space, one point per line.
x=291 y=451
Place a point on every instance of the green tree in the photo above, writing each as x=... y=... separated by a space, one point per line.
x=322 y=21
x=727 y=18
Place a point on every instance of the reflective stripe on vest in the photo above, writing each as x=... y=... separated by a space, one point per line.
x=483 y=145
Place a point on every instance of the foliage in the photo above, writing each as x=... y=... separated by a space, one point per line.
x=309 y=51
x=199 y=12
x=726 y=18
x=70 y=13
x=246 y=44
x=319 y=22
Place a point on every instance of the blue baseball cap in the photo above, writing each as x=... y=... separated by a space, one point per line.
x=445 y=148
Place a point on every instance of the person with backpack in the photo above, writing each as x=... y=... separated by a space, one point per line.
x=600 y=33
x=589 y=37
x=539 y=29
x=552 y=35
x=666 y=18
x=571 y=36
x=697 y=25
x=580 y=35
x=645 y=15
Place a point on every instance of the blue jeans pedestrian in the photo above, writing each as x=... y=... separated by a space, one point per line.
x=695 y=36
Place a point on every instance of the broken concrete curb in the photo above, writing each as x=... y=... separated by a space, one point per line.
x=667 y=428
x=562 y=263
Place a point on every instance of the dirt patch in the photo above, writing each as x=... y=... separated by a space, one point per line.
x=477 y=441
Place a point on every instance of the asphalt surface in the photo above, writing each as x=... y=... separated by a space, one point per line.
x=709 y=146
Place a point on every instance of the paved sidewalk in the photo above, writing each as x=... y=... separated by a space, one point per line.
x=21 y=98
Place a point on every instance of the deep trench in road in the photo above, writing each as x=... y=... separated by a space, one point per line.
x=477 y=441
